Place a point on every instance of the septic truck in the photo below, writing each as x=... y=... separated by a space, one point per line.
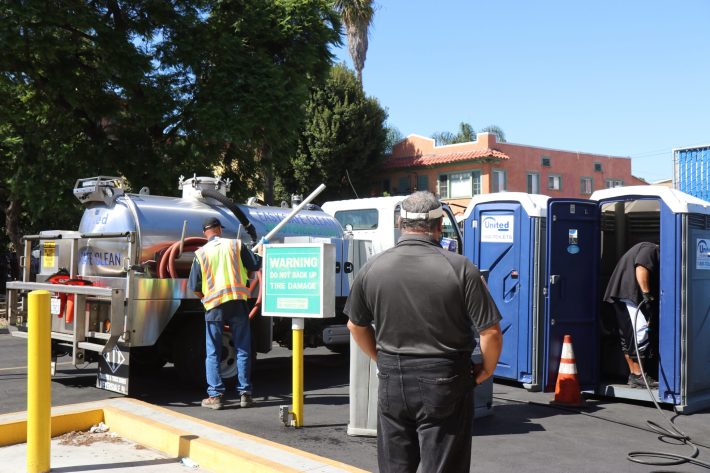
x=118 y=283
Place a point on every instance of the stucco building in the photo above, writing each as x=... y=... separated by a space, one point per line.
x=458 y=172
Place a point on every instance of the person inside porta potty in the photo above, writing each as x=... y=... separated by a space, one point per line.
x=634 y=284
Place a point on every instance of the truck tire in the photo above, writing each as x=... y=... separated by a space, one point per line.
x=189 y=355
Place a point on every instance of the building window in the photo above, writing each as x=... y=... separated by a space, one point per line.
x=498 y=180
x=422 y=183
x=586 y=185
x=554 y=182
x=614 y=183
x=533 y=183
x=546 y=161
x=462 y=184
x=403 y=185
x=597 y=167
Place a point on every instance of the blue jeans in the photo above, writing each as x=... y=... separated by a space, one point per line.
x=238 y=322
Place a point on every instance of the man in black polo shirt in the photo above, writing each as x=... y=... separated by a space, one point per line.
x=423 y=302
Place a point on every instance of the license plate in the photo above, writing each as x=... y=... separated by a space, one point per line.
x=55 y=305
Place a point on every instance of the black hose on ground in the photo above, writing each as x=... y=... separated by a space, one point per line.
x=227 y=202
x=662 y=458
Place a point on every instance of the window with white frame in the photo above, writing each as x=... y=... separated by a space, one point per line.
x=586 y=185
x=614 y=183
x=498 y=180
x=533 y=183
x=459 y=184
x=554 y=182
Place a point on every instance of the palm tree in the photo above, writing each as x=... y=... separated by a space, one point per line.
x=496 y=130
x=357 y=17
x=466 y=134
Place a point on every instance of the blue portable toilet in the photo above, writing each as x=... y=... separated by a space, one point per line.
x=504 y=234
x=680 y=224
x=541 y=255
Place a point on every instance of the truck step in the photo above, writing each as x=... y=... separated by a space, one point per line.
x=90 y=346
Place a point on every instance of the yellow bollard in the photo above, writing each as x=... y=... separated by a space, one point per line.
x=39 y=396
x=297 y=325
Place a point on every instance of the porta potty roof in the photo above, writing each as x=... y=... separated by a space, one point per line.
x=535 y=205
x=677 y=201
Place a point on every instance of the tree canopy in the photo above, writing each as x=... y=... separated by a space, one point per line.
x=150 y=91
x=465 y=134
x=342 y=142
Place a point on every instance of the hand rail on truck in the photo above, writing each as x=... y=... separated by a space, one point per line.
x=117 y=297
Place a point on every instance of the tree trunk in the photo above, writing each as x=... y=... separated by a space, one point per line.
x=12 y=228
x=267 y=165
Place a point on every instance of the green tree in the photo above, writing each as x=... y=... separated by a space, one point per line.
x=465 y=134
x=149 y=91
x=394 y=136
x=77 y=97
x=496 y=130
x=342 y=143
x=248 y=87
x=357 y=17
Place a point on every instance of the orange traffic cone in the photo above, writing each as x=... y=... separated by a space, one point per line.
x=567 y=391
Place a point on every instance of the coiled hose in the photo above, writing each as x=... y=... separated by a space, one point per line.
x=166 y=266
x=663 y=458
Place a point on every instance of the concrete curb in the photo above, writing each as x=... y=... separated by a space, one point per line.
x=212 y=446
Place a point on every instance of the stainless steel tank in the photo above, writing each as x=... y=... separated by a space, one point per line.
x=148 y=224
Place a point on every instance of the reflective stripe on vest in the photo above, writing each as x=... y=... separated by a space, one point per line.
x=224 y=277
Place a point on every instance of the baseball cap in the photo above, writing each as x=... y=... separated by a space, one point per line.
x=211 y=222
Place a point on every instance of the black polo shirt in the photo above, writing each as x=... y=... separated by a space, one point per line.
x=623 y=284
x=422 y=299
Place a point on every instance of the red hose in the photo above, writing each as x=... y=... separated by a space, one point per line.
x=166 y=266
x=257 y=305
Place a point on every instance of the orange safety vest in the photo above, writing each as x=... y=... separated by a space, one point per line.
x=224 y=276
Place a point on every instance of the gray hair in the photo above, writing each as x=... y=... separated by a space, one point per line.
x=420 y=202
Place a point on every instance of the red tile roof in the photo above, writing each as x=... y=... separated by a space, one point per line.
x=445 y=158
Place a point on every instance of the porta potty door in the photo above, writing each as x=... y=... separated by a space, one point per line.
x=496 y=247
x=571 y=288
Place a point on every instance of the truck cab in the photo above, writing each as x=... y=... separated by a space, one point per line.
x=375 y=219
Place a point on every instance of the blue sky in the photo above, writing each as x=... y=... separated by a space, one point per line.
x=621 y=78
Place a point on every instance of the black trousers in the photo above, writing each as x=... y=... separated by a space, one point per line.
x=424 y=413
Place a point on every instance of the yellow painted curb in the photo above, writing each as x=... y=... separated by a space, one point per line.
x=174 y=442
x=15 y=432
x=254 y=438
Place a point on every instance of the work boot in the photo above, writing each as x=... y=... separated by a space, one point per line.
x=213 y=402
x=636 y=381
x=246 y=400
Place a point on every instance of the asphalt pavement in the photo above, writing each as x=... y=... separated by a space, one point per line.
x=525 y=432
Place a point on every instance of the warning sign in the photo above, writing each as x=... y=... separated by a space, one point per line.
x=299 y=280
x=113 y=370
x=49 y=254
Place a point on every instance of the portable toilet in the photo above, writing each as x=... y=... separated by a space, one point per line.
x=540 y=255
x=680 y=224
x=504 y=235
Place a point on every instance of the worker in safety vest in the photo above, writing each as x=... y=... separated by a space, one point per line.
x=219 y=277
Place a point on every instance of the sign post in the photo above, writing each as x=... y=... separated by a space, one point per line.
x=298 y=282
